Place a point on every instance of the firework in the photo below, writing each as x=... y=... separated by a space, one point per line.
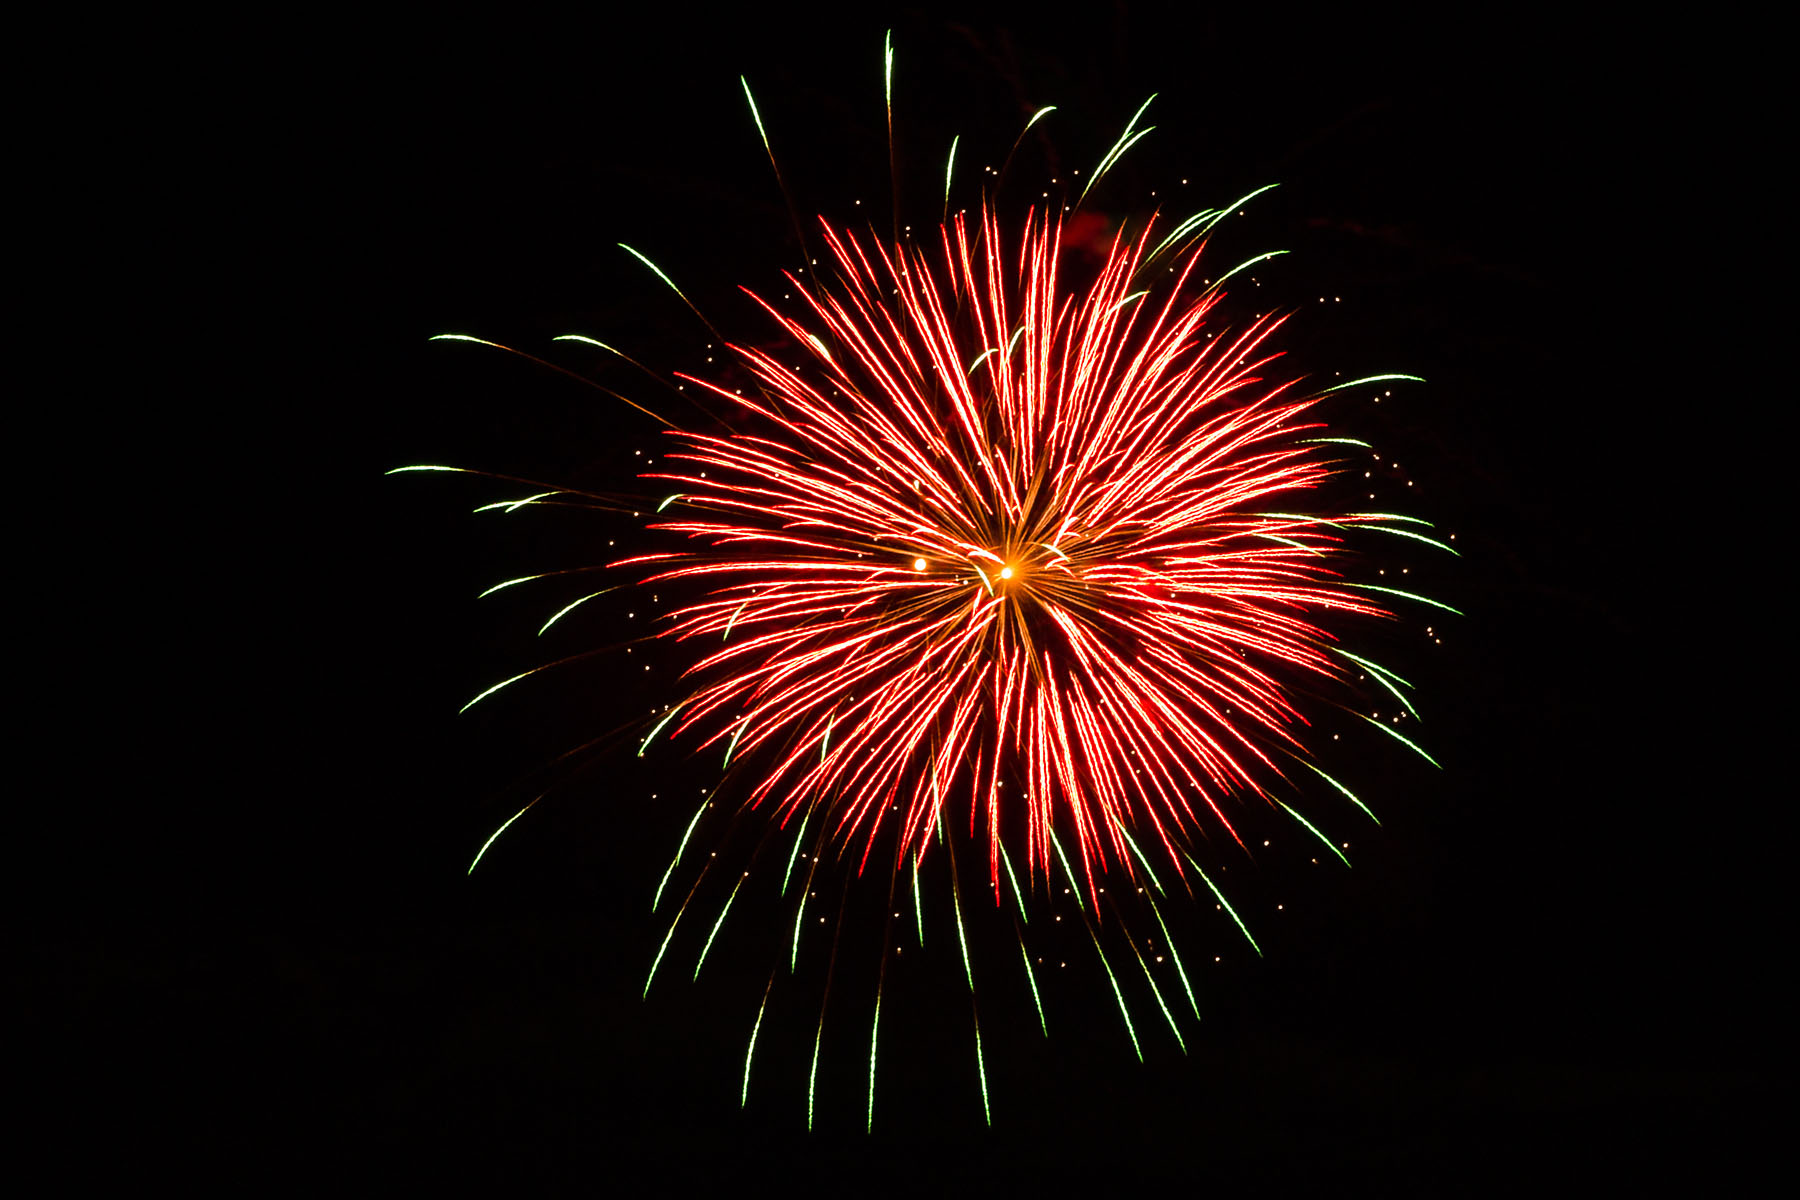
x=996 y=534
x=988 y=555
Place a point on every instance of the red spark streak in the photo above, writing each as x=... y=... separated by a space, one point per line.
x=1101 y=616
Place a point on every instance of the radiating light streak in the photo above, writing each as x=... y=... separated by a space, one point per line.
x=679 y=851
x=798 y=839
x=1174 y=955
x=569 y=608
x=812 y=1074
x=1157 y=992
x=1018 y=896
x=744 y=1096
x=1346 y=791
x=515 y=505
x=949 y=170
x=1031 y=978
x=1380 y=675
x=1246 y=265
x=463 y=337
x=645 y=744
x=1403 y=740
x=1119 y=147
x=987 y=1113
x=667 y=938
x=1117 y=994
x=1338 y=387
x=1224 y=903
x=918 y=906
x=1201 y=223
x=715 y=929
x=492 y=836
x=874 y=1029
x=1369 y=587
x=1312 y=829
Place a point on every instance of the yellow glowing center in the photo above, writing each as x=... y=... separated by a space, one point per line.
x=918 y=564
x=1006 y=572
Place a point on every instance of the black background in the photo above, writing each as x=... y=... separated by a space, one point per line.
x=266 y=965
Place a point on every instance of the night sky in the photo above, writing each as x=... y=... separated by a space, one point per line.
x=269 y=968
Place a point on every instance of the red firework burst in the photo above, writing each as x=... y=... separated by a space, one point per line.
x=1006 y=547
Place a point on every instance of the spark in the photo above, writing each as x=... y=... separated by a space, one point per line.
x=495 y=835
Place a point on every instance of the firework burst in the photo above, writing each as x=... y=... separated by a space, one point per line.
x=1003 y=550
x=1001 y=534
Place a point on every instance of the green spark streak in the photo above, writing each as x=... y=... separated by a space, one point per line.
x=1179 y=969
x=1031 y=978
x=1403 y=740
x=571 y=608
x=1338 y=387
x=1336 y=441
x=1157 y=992
x=515 y=505
x=1201 y=223
x=471 y=704
x=984 y=579
x=669 y=501
x=812 y=1076
x=956 y=902
x=719 y=922
x=1369 y=587
x=918 y=907
x=1036 y=117
x=644 y=745
x=1127 y=300
x=949 y=169
x=1312 y=550
x=1340 y=787
x=887 y=78
x=1118 y=995
x=1140 y=855
x=1244 y=266
x=1407 y=533
x=978 y=361
x=663 y=949
x=1381 y=676
x=451 y=470
x=1074 y=884
x=679 y=850
x=1018 y=896
x=825 y=741
x=734 y=741
x=733 y=621
x=744 y=1098
x=584 y=338
x=795 y=852
x=754 y=115
x=510 y=582
x=1373 y=666
x=1224 y=903
x=1124 y=143
x=496 y=834
x=659 y=274
x=1013 y=340
x=873 y=1030
x=799 y=912
x=1310 y=828
x=1389 y=517
x=981 y=1069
